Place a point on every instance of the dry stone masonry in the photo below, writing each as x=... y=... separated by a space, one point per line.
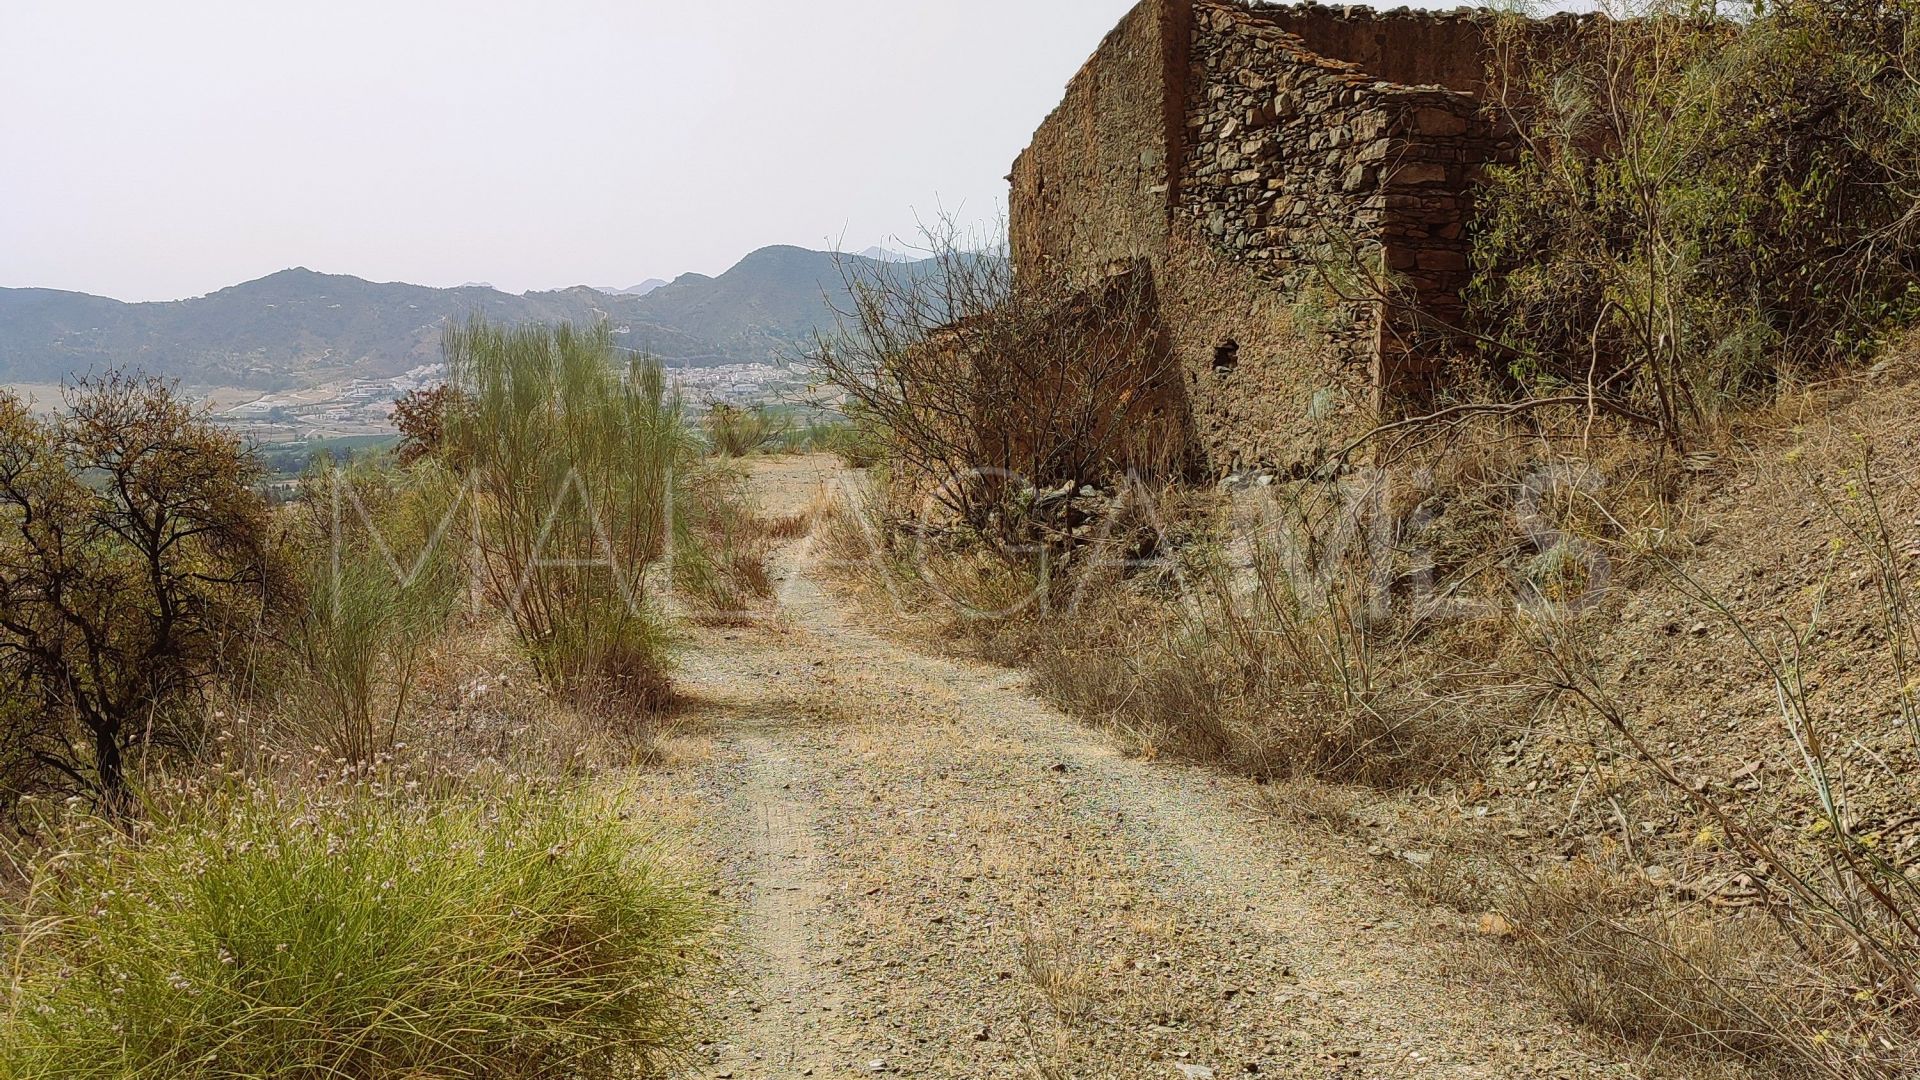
x=1299 y=181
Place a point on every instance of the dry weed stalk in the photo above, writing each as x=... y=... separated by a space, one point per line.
x=1846 y=909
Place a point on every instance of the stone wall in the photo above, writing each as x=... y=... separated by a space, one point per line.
x=1412 y=48
x=1222 y=146
x=1293 y=159
x=1090 y=195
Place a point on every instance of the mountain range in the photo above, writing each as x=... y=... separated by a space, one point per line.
x=641 y=289
x=298 y=327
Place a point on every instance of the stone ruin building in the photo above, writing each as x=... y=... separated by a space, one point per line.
x=1227 y=148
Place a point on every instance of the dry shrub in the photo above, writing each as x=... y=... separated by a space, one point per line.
x=420 y=417
x=1312 y=802
x=854 y=548
x=1628 y=953
x=1278 y=653
x=1464 y=875
x=1184 y=655
x=1621 y=958
x=481 y=711
x=983 y=387
x=477 y=714
x=734 y=431
x=725 y=572
x=1292 y=692
x=1353 y=627
x=1830 y=981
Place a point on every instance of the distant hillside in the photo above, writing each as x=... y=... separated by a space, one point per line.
x=298 y=327
x=641 y=289
x=771 y=299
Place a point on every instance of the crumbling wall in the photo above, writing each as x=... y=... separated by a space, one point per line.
x=1412 y=48
x=1272 y=161
x=1305 y=217
x=1264 y=387
x=1348 y=191
x=1090 y=196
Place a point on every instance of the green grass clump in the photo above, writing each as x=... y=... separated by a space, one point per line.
x=353 y=936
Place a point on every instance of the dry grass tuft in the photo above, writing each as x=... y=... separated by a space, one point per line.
x=1058 y=972
x=1202 y=654
x=479 y=711
x=788 y=526
x=1312 y=803
x=725 y=578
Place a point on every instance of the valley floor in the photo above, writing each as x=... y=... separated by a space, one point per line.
x=939 y=875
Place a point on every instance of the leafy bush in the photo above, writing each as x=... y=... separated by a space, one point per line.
x=134 y=556
x=343 y=935
x=1700 y=207
x=575 y=461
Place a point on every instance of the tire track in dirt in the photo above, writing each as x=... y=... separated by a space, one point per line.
x=782 y=1013
x=795 y=1003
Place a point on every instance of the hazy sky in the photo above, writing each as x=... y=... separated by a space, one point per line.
x=159 y=150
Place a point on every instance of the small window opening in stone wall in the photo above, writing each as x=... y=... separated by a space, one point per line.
x=1226 y=356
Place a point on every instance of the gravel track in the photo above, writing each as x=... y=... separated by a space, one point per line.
x=939 y=875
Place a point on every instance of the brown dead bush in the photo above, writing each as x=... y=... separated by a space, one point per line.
x=1624 y=959
x=984 y=387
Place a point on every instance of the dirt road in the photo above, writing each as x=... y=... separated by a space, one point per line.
x=941 y=876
